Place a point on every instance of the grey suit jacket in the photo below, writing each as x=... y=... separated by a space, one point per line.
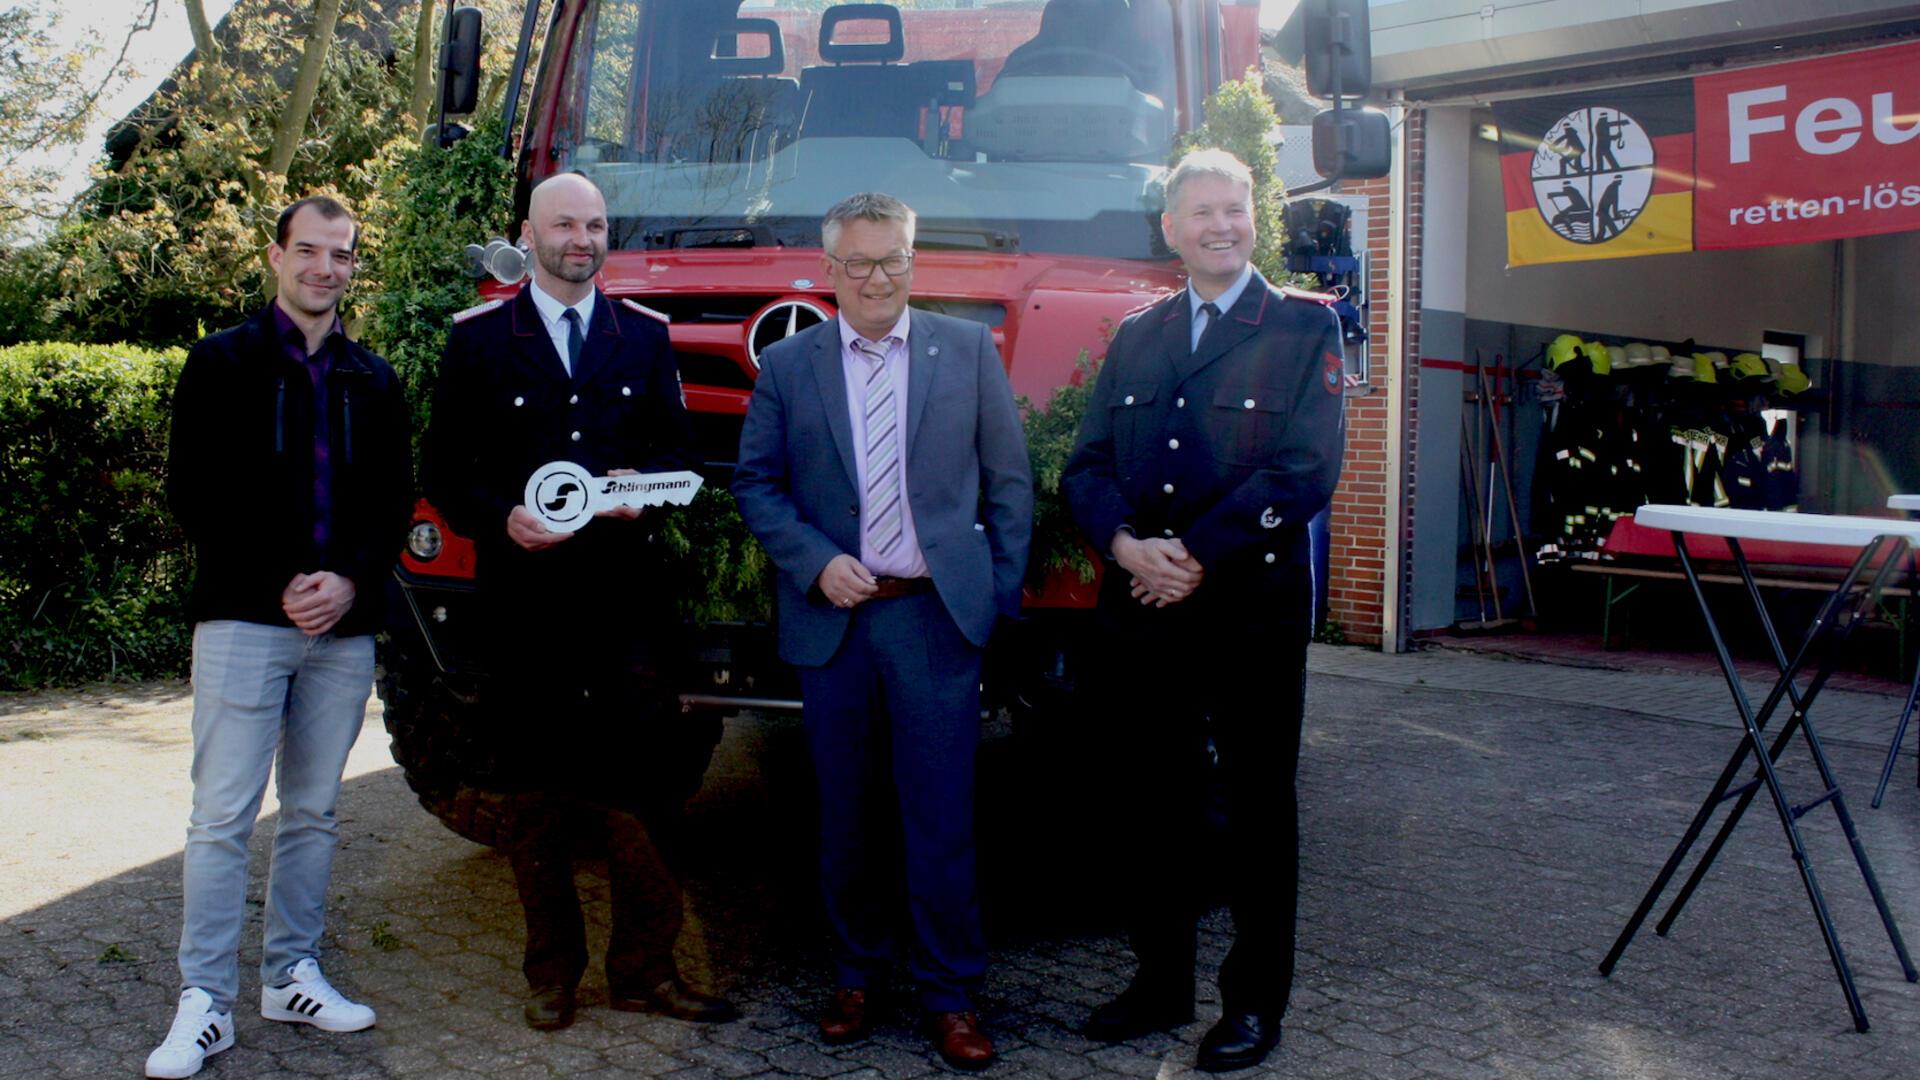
x=968 y=480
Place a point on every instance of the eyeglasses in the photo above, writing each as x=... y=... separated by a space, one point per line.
x=860 y=269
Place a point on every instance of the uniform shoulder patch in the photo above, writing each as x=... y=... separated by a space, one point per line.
x=477 y=309
x=645 y=310
x=1332 y=372
x=1293 y=293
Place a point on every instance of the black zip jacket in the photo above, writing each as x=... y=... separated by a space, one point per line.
x=240 y=474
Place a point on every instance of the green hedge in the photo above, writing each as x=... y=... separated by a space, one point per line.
x=93 y=572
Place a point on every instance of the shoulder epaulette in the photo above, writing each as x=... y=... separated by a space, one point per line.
x=477 y=309
x=1292 y=293
x=645 y=310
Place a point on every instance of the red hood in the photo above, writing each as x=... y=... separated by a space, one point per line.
x=1047 y=307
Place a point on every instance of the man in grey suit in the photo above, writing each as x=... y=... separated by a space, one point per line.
x=883 y=467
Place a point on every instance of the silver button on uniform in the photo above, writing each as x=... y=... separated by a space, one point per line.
x=1180 y=403
x=1129 y=400
x=626 y=391
x=1168 y=488
x=1247 y=404
x=519 y=401
x=1173 y=444
x=574 y=400
x=576 y=436
x=1269 y=556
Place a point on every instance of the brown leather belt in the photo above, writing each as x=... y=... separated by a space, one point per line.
x=886 y=588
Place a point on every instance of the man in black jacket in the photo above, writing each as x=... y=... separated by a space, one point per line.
x=579 y=627
x=289 y=471
x=1213 y=437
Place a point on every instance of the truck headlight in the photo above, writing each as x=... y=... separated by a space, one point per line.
x=423 y=540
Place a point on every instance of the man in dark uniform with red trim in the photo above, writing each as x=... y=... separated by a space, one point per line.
x=579 y=627
x=1212 y=439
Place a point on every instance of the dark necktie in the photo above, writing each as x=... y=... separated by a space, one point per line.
x=1212 y=311
x=574 y=339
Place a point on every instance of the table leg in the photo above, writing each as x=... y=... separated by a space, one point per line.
x=1899 y=736
x=1798 y=721
x=1823 y=626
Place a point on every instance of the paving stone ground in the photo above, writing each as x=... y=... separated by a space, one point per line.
x=1475 y=832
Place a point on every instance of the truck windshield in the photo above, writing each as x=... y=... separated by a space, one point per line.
x=1008 y=126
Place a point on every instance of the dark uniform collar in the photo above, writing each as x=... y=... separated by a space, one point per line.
x=1227 y=298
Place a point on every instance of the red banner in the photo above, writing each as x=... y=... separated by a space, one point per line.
x=1813 y=150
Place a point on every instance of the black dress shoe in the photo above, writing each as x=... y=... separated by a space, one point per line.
x=678 y=1000
x=1138 y=1012
x=550 y=1008
x=1238 y=1041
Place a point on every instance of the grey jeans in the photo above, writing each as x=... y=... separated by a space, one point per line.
x=261 y=691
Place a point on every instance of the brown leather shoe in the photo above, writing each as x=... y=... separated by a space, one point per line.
x=549 y=1008
x=961 y=1041
x=676 y=999
x=846 y=1018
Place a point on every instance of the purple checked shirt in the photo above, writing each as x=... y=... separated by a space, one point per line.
x=293 y=341
x=905 y=560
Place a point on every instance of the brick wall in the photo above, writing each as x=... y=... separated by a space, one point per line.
x=1357 y=563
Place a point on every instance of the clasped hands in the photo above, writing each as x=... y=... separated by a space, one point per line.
x=527 y=531
x=315 y=602
x=1163 y=570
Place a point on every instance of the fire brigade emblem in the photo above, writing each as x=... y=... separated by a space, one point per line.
x=1592 y=174
x=1269 y=519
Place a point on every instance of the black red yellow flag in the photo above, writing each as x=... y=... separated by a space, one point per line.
x=1600 y=174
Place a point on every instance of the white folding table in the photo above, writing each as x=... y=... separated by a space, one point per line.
x=1882 y=544
x=1899 y=502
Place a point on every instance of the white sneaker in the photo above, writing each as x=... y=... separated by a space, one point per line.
x=310 y=999
x=197 y=1031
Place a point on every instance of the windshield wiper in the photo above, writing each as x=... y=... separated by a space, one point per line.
x=964 y=238
x=712 y=236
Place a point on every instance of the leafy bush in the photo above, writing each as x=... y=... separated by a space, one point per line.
x=93 y=572
x=721 y=573
x=1051 y=432
x=432 y=204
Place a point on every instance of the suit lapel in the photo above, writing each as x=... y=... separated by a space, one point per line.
x=603 y=337
x=1236 y=325
x=830 y=376
x=1176 y=334
x=530 y=340
x=926 y=346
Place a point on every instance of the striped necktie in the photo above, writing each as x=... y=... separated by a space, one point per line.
x=882 y=524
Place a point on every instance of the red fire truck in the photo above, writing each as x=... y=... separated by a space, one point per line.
x=1029 y=135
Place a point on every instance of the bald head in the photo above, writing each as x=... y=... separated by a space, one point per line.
x=562 y=189
x=567 y=227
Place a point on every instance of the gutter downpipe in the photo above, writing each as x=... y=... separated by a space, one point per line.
x=1392 y=629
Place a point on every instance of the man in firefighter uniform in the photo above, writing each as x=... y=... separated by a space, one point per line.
x=577 y=626
x=1212 y=438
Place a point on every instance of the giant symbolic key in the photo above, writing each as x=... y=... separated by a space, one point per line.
x=565 y=496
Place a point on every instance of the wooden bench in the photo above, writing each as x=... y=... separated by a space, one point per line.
x=1639 y=554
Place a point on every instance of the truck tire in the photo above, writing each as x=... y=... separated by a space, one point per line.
x=437 y=740
x=431 y=718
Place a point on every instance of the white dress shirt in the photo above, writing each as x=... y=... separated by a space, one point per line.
x=553 y=314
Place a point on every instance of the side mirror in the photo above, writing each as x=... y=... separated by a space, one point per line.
x=1339 y=48
x=1352 y=144
x=460 y=62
